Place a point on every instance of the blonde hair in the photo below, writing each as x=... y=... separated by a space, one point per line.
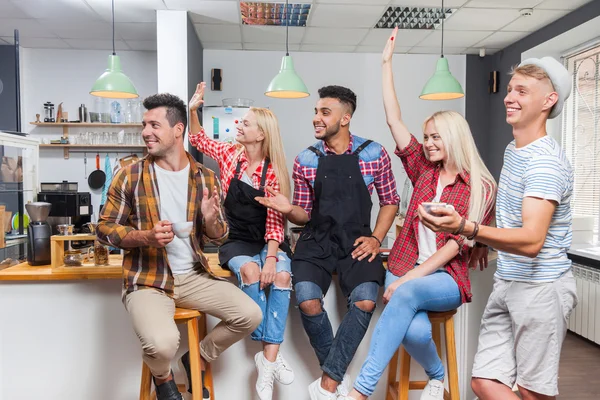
x=273 y=146
x=462 y=154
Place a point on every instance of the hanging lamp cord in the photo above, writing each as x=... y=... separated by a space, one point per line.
x=287 y=28
x=113 y=27
x=443 y=18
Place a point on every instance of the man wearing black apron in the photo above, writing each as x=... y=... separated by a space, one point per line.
x=333 y=182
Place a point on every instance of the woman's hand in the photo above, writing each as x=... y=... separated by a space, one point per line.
x=389 y=292
x=388 y=51
x=198 y=97
x=267 y=275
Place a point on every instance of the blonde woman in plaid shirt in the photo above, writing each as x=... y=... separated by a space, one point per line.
x=252 y=251
x=160 y=270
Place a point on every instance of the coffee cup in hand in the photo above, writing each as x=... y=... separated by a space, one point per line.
x=182 y=229
x=428 y=206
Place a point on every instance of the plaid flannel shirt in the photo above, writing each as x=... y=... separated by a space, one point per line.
x=133 y=203
x=424 y=175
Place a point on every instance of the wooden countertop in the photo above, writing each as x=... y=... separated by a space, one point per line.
x=25 y=272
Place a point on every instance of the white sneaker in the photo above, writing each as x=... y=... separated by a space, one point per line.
x=266 y=376
x=434 y=390
x=283 y=372
x=316 y=392
x=344 y=387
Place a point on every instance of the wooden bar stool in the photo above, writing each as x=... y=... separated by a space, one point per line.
x=190 y=318
x=397 y=389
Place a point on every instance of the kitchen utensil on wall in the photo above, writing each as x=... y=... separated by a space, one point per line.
x=109 y=176
x=49 y=112
x=98 y=177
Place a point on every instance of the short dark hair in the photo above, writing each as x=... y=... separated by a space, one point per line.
x=176 y=109
x=343 y=94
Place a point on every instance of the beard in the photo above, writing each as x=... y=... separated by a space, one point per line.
x=330 y=131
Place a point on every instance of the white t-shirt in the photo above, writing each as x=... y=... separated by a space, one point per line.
x=427 y=246
x=173 y=194
x=542 y=170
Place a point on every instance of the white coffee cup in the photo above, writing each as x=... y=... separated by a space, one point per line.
x=182 y=229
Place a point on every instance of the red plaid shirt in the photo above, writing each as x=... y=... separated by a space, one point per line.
x=380 y=168
x=228 y=155
x=424 y=176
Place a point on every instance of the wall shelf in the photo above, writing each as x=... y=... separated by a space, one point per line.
x=91 y=148
x=84 y=124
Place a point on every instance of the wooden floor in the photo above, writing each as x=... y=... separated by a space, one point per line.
x=579 y=375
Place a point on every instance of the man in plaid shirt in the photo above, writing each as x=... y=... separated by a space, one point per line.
x=333 y=183
x=163 y=270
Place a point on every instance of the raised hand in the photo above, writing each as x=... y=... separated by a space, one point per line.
x=277 y=201
x=210 y=207
x=198 y=97
x=388 y=51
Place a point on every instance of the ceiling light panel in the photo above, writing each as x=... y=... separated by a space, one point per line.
x=413 y=17
x=258 y=13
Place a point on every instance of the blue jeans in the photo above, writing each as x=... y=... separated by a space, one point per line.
x=404 y=321
x=275 y=305
x=336 y=353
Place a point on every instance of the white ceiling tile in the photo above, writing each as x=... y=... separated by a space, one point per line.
x=475 y=50
x=371 y=2
x=271 y=34
x=326 y=48
x=44 y=43
x=337 y=36
x=221 y=33
x=9 y=10
x=562 y=4
x=26 y=27
x=128 y=11
x=222 y=46
x=436 y=50
x=208 y=11
x=500 y=40
x=379 y=49
x=142 y=45
x=405 y=37
x=77 y=29
x=64 y=10
x=271 y=47
x=430 y=3
x=455 y=38
x=479 y=19
x=518 y=4
x=537 y=20
x=90 y=44
x=136 y=31
x=343 y=16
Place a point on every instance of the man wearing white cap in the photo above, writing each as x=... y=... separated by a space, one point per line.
x=525 y=320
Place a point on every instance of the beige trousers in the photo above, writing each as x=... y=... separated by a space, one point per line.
x=152 y=314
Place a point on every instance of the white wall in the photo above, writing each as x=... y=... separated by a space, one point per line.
x=67 y=76
x=247 y=73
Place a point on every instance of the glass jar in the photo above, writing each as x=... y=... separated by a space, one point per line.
x=73 y=258
x=100 y=253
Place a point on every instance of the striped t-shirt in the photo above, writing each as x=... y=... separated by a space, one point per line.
x=542 y=170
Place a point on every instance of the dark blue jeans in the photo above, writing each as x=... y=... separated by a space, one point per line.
x=336 y=353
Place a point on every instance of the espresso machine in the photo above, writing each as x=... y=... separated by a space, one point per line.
x=38 y=233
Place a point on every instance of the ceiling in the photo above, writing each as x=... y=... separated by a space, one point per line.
x=333 y=25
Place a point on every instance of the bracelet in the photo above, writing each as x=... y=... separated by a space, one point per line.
x=475 y=231
x=461 y=227
x=378 y=241
x=275 y=257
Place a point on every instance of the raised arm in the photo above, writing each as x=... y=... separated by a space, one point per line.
x=393 y=114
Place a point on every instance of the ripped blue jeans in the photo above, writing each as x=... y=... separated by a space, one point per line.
x=273 y=301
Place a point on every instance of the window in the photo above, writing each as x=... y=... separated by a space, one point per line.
x=581 y=133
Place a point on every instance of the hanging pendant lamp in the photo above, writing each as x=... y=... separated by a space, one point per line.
x=287 y=84
x=442 y=85
x=113 y=83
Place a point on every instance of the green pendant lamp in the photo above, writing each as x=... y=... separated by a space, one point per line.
x=113 y=83
x=287 y=84
x=442 y=85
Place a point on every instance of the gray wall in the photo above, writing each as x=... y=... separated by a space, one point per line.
x=8 y=95
x=481 y=106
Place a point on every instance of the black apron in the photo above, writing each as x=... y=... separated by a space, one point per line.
x=246 y=218
x=341 y=214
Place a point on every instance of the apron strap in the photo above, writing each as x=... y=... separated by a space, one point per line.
x=318 y=152
x=263 y=178
x=237 y=169
x=362 y=147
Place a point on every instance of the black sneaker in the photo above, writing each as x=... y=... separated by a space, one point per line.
x=185 y=362
x=167 y=390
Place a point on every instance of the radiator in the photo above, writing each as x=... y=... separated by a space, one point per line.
x=585 y=319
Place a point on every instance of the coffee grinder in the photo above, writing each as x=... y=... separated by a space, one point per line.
x=38 y=234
